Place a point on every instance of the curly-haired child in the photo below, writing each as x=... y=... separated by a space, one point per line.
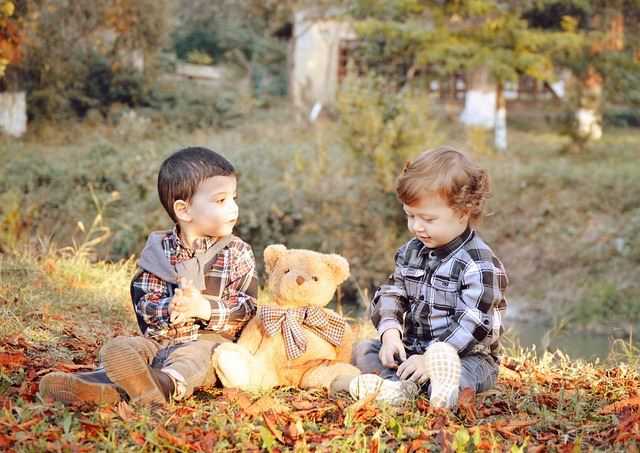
x=439 y=315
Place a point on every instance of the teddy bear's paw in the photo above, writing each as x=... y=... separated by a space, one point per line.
x=232 y=368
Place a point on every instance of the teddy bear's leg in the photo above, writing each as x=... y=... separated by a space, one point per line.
x=334 y=376
x=233 y=366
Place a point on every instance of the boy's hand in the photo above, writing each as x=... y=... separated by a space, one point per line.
x=413 y=369
x=392 y=347
x=188 y=303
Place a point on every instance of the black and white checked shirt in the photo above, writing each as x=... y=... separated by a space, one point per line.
x=454 y=293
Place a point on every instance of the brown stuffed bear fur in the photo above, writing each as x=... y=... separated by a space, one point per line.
x=260 y=360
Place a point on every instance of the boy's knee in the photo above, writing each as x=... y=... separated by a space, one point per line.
x=139 y=344
x=478 y=373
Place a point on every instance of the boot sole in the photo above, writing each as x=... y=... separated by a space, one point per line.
x=127 y=369
x=69 y=388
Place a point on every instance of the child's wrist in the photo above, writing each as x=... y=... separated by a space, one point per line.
x=390 y=333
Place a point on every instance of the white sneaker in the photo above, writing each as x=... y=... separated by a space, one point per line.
x=392 y=392
x=443 y=367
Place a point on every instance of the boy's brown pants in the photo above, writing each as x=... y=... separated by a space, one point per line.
x=189 y=364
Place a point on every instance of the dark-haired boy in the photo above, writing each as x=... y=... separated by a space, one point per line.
x=195 y=288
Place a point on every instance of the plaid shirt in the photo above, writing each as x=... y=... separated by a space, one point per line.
x=231 y=288
x=454 y=293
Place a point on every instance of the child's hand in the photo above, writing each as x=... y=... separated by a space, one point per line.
x=188 y=303
x=413 y=369
x=392 y=347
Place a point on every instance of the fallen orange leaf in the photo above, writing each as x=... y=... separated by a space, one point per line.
x=125 y=411
x=619 y=406
x=174 y=440
x=270 y=421
x=467 y=404
x=12 y=360
x=138 y=438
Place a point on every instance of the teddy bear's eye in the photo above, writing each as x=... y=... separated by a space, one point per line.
x=287 y=271
x=315 y=279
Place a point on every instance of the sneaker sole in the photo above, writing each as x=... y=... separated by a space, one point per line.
x=444 y=368
x=393 y=392
x=68 y=388
x=444 y=396
x=128 y=370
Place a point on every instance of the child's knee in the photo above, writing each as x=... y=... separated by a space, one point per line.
x=478 y=373
x=364 y=348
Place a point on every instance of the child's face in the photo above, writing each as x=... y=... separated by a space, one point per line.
x=213 y=210
x=433 y=222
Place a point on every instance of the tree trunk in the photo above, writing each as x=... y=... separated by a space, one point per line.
x=500 y=132
x=480 y=100
x=13 y=113
x=588 y=117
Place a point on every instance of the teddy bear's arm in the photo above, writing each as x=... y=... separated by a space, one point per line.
x=251 y=336
x=343 y=351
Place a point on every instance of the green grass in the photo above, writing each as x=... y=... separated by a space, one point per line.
x=565 y=225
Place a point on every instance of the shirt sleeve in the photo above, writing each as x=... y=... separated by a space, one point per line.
x=151 y=299
x=483 y=287
x=390 y=301
x=238 y=302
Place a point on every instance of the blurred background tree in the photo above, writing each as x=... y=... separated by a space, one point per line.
x=488 y=41
x=606 y=66
x=10 y=38
x=249 y=33
x=596 y=40
x=84 y=55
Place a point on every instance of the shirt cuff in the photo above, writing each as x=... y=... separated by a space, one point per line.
x=218 y=316
x=387 y=324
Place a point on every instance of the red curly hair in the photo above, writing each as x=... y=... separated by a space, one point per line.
x=449 y=173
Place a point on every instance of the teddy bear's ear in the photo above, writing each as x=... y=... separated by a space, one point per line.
x=339 y=266
x=271 y=256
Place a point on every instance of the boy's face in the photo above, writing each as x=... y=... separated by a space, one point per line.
x=433 y=222
x=212 y=210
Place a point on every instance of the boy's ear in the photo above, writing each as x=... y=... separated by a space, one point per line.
x=339 y=267
x=181 y=209
x=271 y=256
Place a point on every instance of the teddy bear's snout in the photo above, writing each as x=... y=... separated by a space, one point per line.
x=299 y=279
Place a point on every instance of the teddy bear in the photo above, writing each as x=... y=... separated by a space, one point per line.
x=294 y=340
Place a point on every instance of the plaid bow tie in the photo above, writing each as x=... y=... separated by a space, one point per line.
x=290 y=322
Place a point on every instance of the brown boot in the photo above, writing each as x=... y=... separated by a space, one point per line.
x=84 y=387
x=128 y=369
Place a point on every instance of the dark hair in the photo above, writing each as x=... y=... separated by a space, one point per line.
x=182 y=172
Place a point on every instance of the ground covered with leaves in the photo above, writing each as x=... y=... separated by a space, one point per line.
x=53 y=316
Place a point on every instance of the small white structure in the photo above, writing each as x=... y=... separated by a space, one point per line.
x=480 y=100
x=315 y=57
x=13 y=113
x=199 y=71
x=589 y=125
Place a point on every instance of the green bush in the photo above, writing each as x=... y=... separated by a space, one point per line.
x=604 y=301
x=78 y=55
x=384 y=127
x=203 y=40
x=240 y=33
x=621 y=118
